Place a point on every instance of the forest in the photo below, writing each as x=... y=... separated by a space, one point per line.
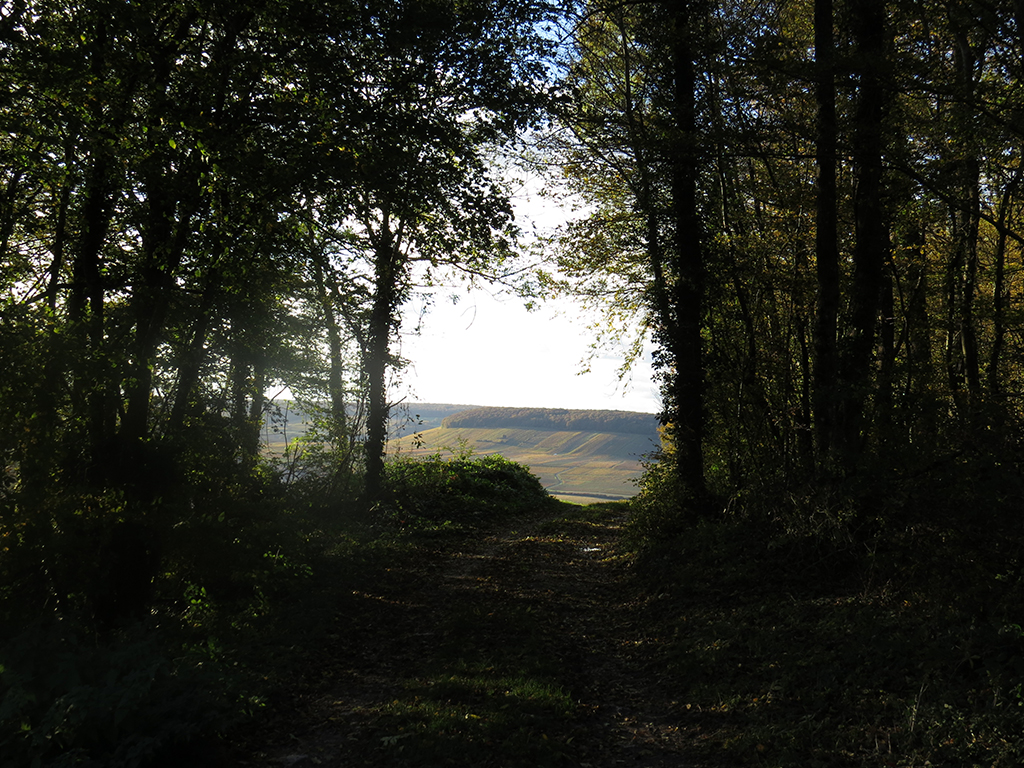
x=811 y=210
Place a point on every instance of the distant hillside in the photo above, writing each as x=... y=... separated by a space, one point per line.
x=575 y=462
x=407 y=418
x=287 y=421
x=624 y=422
x=577 y=454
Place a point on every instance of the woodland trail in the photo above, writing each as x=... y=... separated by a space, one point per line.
x=516 y=648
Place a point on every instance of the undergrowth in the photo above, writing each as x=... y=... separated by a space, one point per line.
x=230 y=595
x=461 y=490
x=846 y=623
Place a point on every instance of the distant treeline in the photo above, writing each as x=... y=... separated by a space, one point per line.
x=555 y=419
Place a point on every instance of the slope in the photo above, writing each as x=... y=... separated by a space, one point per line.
x=572 y=464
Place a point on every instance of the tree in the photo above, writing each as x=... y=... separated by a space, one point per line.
x=854 y=374
x=826 y=249
x=427 y=93
x=640 y=71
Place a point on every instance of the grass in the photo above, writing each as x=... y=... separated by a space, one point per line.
x=482 y=697
x=783 y=648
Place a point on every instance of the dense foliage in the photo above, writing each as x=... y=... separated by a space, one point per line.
x=202 y=203
x=460 y=490
x=813 y=211
x=834 y=187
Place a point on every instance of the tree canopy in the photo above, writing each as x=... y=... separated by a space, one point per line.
x=811 y=208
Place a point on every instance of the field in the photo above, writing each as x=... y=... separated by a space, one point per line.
x=579 y=466
x=575 y=466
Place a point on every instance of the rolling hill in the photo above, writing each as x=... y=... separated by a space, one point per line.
x=578 y=455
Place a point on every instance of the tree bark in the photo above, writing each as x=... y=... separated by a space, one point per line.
x=962 y=357
x=871 y=245
x=1001 y=292
x=327 y=289
x=191 y=356
x=387 y=271
x=687 y=392
x=826 y=234
x=86 y=311
x=163 y=246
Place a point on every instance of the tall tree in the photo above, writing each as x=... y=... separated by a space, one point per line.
x=870 y=221
x=682 y=331
x=826 y=230
x=427 y=94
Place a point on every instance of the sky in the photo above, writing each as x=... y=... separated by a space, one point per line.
x=487 y=349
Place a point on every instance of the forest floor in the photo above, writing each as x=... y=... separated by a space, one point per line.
x=521 y=646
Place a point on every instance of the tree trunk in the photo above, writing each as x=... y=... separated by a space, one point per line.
x=92 y=400
x=248 y=384
x=327 y=289
x=387 y=268
x=1001 y=292
x=826 y=235
x=191 y=356
x=962 y=358
x=86 y=315
x=687 y=392
x=163 y=245
x=886 y=353
x=871 y=245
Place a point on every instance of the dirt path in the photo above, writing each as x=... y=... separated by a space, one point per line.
x=517 y=648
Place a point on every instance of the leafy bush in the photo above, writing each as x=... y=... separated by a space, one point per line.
x=66 y=701
x=657 y=511
x=461 y=489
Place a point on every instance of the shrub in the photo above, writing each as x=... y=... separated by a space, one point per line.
x=461 y=489
x=67 y=702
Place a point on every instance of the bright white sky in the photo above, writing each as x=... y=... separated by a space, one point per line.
x=487 y=349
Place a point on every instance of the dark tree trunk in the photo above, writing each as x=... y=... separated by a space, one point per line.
x=248 y=384
x=387 y=267
x=887 y=353
x=92 y=401
x=826 y=237
x=162 y=249
x=919 y=371
x=963 y=368
x=86 y=314
x=871 y=246
x=327 y=289
x=1001 y=292
x=687 y=392
x=191 y=355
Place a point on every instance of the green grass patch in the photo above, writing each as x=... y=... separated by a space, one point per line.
x=493 y=686
x=474 y=712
